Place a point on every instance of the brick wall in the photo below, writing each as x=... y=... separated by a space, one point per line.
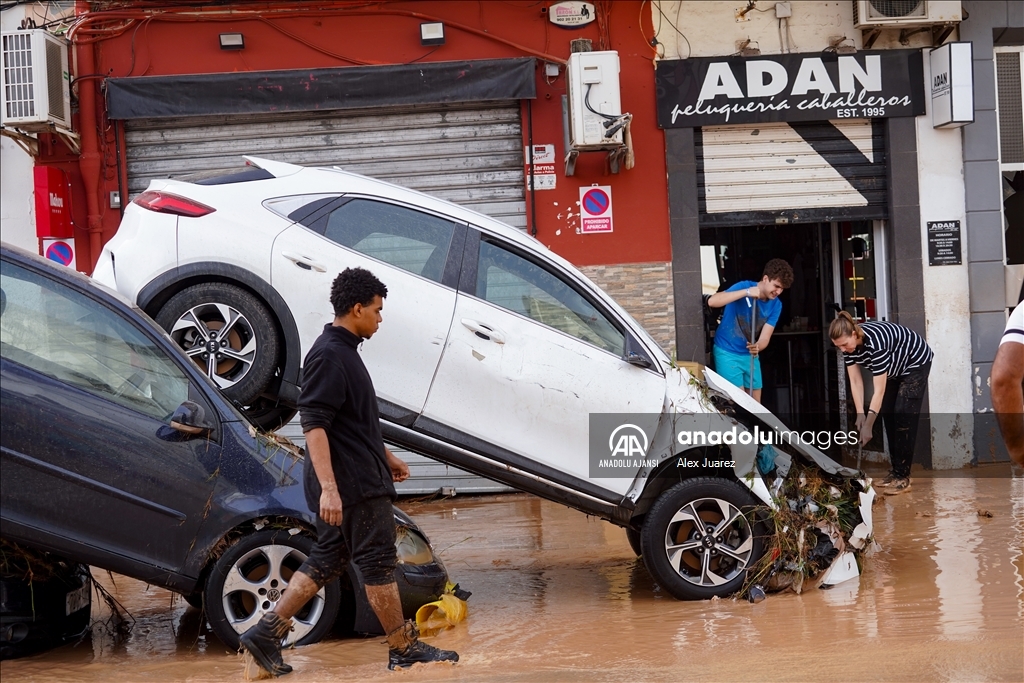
x=645 y=291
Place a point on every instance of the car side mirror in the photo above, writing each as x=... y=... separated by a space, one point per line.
x=638 y=360
x=190 y=418
x=633 y=357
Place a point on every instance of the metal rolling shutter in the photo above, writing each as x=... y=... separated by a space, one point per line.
x=798 y=172
x=470 y=154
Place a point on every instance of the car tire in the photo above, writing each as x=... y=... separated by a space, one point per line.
x=248 y=579
x=633 y=536
x=194 y=599
x=194 y=317
x=684 y=558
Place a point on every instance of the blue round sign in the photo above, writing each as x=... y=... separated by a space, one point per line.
x=596 y=202
x=60 y=252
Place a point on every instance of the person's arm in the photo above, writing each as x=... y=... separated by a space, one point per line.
x=320 y=455
x=399 y=470
x=720 y=299
x=856 y=387
x=878 y=383
x=1007 y=388
x=762 y=341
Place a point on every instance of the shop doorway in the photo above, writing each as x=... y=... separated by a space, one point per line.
x=836 y=265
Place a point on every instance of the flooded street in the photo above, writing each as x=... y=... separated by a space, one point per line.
x=560 y=596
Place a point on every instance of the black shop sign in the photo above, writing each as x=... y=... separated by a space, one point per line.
x=708 y=91
x=943 y=243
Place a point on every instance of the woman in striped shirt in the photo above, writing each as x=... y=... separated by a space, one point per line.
x=899 y=360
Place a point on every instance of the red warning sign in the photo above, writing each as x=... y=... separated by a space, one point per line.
x=596 y=209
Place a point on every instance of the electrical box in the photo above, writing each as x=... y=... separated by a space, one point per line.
x=595 y=109
x=35 y=85
x=905 y=13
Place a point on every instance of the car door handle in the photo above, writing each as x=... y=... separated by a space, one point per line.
x=484 y=331
x=304 y=262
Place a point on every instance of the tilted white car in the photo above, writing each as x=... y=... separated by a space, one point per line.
x=493 y=355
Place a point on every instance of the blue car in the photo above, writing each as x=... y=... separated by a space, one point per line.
x=119 y=453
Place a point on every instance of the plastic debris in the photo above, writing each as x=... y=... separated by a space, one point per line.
x=756 y=594
x=766 y=459
x=449 y=610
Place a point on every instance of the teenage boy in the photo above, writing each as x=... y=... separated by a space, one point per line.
x=349 y=480
x=749 y=306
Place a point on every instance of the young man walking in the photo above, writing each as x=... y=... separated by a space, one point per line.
x=749 y=302
x=349 y=479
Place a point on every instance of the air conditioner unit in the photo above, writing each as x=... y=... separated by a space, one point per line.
x=35 y=92
x=595 y=111
x=905 y=13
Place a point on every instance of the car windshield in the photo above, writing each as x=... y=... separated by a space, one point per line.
x=65 y=335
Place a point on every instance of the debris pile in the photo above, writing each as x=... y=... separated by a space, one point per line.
x=816 y=534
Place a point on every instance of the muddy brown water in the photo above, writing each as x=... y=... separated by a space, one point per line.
x=558 y=596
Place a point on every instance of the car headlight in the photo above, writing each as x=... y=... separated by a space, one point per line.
x=412 y=548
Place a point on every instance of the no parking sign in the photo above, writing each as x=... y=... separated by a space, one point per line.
x=596 y=209
x=62 y=251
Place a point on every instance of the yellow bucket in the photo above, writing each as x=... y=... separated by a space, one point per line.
x=434 y=617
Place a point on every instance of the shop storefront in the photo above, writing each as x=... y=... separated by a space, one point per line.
x=792 y=158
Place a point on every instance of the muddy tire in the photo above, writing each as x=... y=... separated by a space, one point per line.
x=248 y=580
x=194 y=599
x=698 y=541
x=633 y=536
x=228 y=333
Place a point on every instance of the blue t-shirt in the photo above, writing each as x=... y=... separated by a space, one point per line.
x=733 y=333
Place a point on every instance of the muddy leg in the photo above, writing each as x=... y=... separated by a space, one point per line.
x=386 y=604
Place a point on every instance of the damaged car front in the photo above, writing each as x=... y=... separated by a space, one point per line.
x=735 y=502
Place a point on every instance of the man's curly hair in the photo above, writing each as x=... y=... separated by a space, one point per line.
x=355 y=286
x=777 y=269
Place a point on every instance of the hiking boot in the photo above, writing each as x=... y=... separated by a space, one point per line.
x=406 y=649
x=898 y=486
x=263 y=642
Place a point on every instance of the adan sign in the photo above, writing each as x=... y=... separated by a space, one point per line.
x=804 y=87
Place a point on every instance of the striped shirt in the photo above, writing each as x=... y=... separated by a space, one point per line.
x=890 y=349
x=1014 y=331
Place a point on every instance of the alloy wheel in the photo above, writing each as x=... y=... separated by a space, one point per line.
x=709 y=542
x=220 y=339
x=256 y=583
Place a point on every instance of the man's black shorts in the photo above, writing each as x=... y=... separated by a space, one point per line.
x=366 y=536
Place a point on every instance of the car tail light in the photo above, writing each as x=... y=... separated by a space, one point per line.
x=165 y=202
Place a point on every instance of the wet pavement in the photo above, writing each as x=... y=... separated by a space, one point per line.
x=558 y=596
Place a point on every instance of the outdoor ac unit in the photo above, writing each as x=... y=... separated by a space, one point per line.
x=35 y=90
x=903 y=13
x=594 y=107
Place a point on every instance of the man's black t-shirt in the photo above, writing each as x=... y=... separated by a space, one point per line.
x=338 y=396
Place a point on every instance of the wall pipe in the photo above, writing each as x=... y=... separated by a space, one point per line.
x=90 y=160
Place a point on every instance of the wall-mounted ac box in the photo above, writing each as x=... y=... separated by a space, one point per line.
x=35 y=90
x=905 y=13
x=593 y=79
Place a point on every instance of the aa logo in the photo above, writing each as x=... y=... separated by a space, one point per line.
x=628 y=441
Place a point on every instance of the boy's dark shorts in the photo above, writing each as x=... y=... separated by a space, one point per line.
x=366 y=536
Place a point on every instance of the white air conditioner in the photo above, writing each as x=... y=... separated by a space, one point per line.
x=35 y=92
x=905 y=13
x=595 y=110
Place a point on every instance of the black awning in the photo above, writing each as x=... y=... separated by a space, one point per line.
x=297 y=90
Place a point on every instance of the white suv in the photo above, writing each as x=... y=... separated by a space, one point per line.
x=495 y=354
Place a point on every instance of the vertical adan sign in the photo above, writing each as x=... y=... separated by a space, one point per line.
x=803 y=87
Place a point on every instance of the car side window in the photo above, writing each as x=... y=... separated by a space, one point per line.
x=408 y=239
x=517 y=284
x=64 y=334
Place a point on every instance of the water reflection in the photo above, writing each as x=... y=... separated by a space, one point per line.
x=560 y=596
